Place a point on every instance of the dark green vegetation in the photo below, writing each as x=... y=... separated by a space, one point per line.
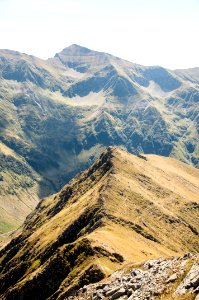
x=59 y=115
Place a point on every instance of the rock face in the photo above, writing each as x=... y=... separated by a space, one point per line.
x=57 y=116
x=156 y=278
x=121 y=210
x=191 y=281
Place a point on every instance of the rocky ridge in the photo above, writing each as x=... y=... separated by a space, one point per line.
x=171 y=278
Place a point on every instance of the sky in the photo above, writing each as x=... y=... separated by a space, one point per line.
x=147 y=32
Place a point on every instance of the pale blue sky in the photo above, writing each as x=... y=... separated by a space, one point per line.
x=148 y=32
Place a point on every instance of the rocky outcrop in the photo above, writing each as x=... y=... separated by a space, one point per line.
x=153 y=279
x=191 y=281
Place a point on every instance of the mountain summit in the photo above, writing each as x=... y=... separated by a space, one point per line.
x=76 y=50
x=83 y=59
x=122 y=209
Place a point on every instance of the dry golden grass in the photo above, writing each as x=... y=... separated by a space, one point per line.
x=146 y=210
x=153 y=194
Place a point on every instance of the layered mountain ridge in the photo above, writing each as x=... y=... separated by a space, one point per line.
x=58 y=115
x=120 y=210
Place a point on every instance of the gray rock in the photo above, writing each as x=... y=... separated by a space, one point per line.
x=188 y=255
x=106 y=289
x=172 y=278
x=112 y=291
x=195 y=282
x=119 y=293
x=134 y=286
x=148 y=284
x=125 y=278
x=129 y=292
x=190 y=282
x=151 y=263
x=156 y=293
x=98 y=296
x=196 y=291
x=137 y=272
x=101 y=286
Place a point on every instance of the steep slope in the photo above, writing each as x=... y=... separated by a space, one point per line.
x=60 y=114
x=189 y=74
x=122 y=209
x=19 y=189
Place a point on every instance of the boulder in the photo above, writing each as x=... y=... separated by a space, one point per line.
x=98 y=296
x=119 y=293
x=112 y=291
x=172 y=278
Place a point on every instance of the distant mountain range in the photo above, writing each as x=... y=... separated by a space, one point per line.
x=58 y=115
x=121 y=211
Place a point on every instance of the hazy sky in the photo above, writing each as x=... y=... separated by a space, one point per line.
x=148 y=32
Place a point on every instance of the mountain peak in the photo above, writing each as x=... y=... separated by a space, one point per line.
x=77 y=50
x=80 y=58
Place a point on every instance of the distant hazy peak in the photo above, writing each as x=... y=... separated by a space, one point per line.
x=82 y=59
x=76 y=50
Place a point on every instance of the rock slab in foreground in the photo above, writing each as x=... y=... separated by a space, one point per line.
x=155 y=278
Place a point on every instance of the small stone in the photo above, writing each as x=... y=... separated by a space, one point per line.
x=135 y=286
x=129 y=292
x=99 y=296
x=196 y=291
x=106 y=288
x=125 y=278
x=118 y=294
x=84 y=289
x=172 y=278
x=156 y=293
x=135 y=272
x=112 y=291
x=101 y=286
x=188 y=255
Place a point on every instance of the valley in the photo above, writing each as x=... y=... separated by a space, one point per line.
x=58 y=115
